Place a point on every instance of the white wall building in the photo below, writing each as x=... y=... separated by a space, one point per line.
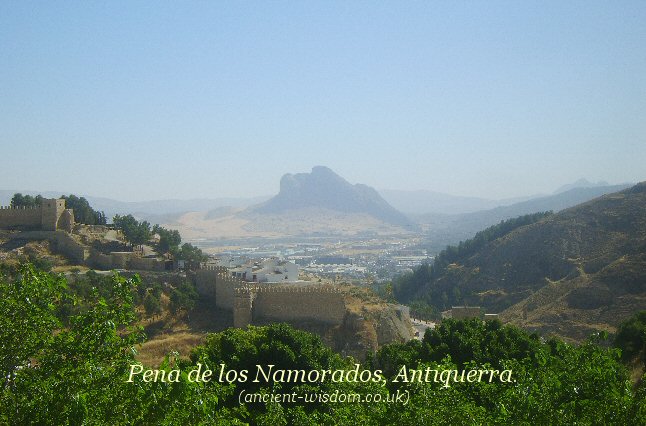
x=267 y=271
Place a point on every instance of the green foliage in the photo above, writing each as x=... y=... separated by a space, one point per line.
x=63 y=375
x=169 y=240
x=40 y=263
x=482 y=341
x=285 y=348
x=135 y=232
x=191 y=255
x=27 y=307
x=406 y=287
x=631 y=337
x=554 y=383
x=19 y=200
x=183 y=298
x=420 y=309
x=151 y=304
x=73 y=369
x=83 y=212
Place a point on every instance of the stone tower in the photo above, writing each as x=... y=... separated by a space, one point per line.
x=51 y=211
x=243 y=307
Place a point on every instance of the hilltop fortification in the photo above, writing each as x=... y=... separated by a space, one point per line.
x=50 y=215
x=348 y=326
x=270 y=302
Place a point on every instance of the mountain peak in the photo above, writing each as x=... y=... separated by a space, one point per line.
x=322 y=170
x=323 y=188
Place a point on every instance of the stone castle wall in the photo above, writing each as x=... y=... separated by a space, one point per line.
x=124 y=260
x=46 y=217
x=29 y=218
x=270 y=302
x=146 y=264
x=100 y=261
x=321 y=304
x=216 y=283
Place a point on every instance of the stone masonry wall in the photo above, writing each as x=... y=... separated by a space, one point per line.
x=45 y=217
x=269 y=301
x=290 y=303
x=214 y=282
x=243 y=307
x=100 y=261
x=20 y=217
x=146 y=264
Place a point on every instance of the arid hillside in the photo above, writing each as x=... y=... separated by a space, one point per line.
x=570 y=273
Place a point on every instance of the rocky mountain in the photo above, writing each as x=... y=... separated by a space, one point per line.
x=571 y=273
x=324 y=189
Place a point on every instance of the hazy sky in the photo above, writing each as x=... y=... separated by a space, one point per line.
x=148 y=100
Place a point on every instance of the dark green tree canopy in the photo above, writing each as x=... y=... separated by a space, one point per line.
x=135 y=232
x=19 y=200
x=192 y=255
x=631 y=337
x=83 y=212
x=169 y=240
x=406 y=288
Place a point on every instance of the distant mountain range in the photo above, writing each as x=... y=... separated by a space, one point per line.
x=431 y=202
x=323 y=203
x=442 y=230
x=581 y=183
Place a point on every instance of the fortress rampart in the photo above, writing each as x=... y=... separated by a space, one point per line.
x=51 y=215
x=272 y=302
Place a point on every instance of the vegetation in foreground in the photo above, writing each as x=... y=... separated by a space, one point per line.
x=71 y=367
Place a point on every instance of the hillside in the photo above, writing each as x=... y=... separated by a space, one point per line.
x=443 y=229
x=570 y=273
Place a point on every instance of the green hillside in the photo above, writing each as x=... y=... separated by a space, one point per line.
x=569 y=273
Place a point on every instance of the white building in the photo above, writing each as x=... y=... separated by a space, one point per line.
x=267 y=271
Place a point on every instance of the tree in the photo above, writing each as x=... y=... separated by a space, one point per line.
x=631 y=337
x=83 y=212
x=192 y=255
x=64 y=375
x=136 y=233
x=152 y=305
x=183 y=298
x=169 y=240
x=19 y=200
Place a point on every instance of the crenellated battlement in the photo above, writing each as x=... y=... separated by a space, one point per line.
x=50 y=215
x=20 y=208
x=313 y=288
x=222 y=269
